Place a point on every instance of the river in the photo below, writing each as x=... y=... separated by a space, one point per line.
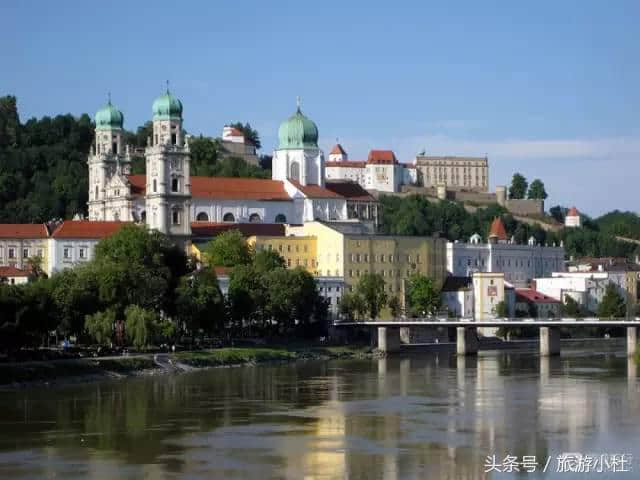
x=427 y=416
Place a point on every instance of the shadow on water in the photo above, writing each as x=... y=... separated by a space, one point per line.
x=416 y=416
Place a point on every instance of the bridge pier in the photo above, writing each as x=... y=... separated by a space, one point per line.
x=388 y=339
x=549 y=341
x=467 y=341
x=632 y=341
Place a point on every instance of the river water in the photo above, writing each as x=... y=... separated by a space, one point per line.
x=427 y=416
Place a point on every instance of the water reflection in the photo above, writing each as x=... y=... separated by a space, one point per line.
x=424 y=416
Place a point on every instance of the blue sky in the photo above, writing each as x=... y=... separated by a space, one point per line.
x=549 y=89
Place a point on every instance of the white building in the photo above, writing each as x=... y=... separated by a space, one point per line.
x=457 y=296
x=13 y=276
x=168 y=198
x=519 y=263
x=73 y=243
x=380 y=172
x=573 y=220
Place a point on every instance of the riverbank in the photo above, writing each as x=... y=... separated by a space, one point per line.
x=24 y=374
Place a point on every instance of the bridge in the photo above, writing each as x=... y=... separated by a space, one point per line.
x=467 y=333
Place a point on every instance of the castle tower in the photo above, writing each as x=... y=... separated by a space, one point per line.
x=338 y=154
x=298 y=157
x=168 y=188
x=106 y=159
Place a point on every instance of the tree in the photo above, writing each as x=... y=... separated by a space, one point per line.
x=249 y=133
x=558 y=213
x=395 y=306
x=100 y=326
x=371 y=288
x=352 y=306
x=266 y=162
x=518 y=187
x=570 y=308
x=200 y=304
x=501 y=310
x=205 y=152
x=267 y=260
x=423 y=296
x=227 y=250
x=612 y=304
x=141 y=326
x=537 y=191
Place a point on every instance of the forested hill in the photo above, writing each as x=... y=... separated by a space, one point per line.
x=43 y=171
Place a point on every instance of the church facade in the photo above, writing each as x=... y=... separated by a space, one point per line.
x=168 y=199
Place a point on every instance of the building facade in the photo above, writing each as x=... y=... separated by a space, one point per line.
x=455 y=173
x=519 y=263
x=236 y=144
x=21 y=242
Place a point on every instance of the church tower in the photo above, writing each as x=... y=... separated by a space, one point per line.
x=298 y=157
x=168 y=184
x=106 y=159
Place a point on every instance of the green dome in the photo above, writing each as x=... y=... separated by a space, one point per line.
x=167 y=107
x=109 y=117
x=298 y=132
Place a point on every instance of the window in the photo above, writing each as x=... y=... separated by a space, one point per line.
x=281 y=218
x=114 y=147
x=305 y=248
x=25 y=253
x=255 y=218
x=143 y=216
x=228 y=217
x=351 y=273
x=174 y=139
x=202 y=217
x=12 y=253
x=288 y=248
x=155 y=139
x=174 y=184
x=366 y=257
x=155 y=185
x=358 y=258
x=280 y=248
x=175 y=217
x=66 y=253
x=96 y=192
x=288 y=262
x=82 y=253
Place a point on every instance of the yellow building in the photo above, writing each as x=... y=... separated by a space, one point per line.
x=349 y=250
x=20 y=242
x=297 y=251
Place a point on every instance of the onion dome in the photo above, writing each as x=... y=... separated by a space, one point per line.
x=167 y=107
x=298 y=131
x=109 y=118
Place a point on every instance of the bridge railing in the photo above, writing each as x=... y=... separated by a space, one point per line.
x=506 y=320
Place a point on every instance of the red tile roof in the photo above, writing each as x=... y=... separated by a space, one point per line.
x=573 y=212
x=226 y=188
x=533 y=296
x=349 y=190
x=498 y=230
x=23 y=230
x=12 y=272
x=87 y=229
x=346 y=164
x=337 y=150
x=236 y=133
x=138 y=184
x=382 y=157
x=212 y=229
x=314 y=191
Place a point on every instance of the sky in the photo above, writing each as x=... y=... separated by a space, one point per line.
x=547 y=88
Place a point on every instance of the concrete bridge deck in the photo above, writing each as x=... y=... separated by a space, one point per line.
x=467 y=337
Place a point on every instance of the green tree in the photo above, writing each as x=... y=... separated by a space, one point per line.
x=501 y=310
x=612 y=304
x=75 y=295
x=558 y=213
x=141 y=326
x=228 y=250
x=352 y=306
x=570 y=308
x=100 y=326
x=200 y=304
x=395 y=306
x=423 y=296
x=267 y=260
x=537 y=191
x=205 y=152
x=518 y=187
x=371 y=288
x=249 y=133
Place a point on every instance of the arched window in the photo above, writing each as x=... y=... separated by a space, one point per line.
x=255 y=218
x=228 y=217
x=202 y=217
x=280 y=218
x=155 y=185
x=294 y=174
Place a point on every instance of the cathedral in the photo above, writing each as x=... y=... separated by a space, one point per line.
x=169 y=199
